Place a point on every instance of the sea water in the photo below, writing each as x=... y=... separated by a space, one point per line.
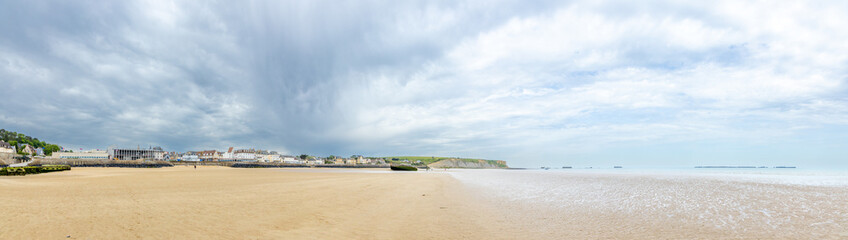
x=554 y=185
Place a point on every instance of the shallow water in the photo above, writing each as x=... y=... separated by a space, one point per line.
x=750 y=203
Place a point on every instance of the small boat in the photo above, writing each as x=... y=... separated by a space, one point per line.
x=403 y=168
x=616 y=167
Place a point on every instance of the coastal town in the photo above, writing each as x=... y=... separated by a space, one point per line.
x=18 y=148
x=232 y=154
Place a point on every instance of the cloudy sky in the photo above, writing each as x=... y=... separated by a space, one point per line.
x=581 y=83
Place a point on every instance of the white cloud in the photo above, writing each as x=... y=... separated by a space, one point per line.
x=517 y=82
x=497 y=79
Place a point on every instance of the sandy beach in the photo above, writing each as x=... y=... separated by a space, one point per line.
x=231 y=203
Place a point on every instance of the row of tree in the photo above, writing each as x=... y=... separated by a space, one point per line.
x=19 y=139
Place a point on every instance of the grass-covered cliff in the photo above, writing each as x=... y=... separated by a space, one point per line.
x=449 y=162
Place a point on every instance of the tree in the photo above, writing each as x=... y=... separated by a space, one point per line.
x=18 y=139
x=304 y=156
x=51 y=148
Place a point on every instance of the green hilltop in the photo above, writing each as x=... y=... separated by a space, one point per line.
x=19 y=139
x=430 y=160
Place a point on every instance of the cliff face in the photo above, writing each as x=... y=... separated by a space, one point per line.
x=457 y=163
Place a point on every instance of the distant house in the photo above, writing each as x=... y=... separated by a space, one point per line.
x=378 y=161
x=6 y=147
x=230 y=155
x=209 y=155
x=270 y=158
x=293 y=161
x=28 y=149
x=245 y=155
x=190 y=158
x=171 y=156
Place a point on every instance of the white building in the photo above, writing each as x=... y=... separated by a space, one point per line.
x=229 y=155
x=190 y=158
x=292 y=160
x=135 y=154
x=270 y=158
x=261 y=157
x=245 y=155
x=91 y=154
x=6 y=147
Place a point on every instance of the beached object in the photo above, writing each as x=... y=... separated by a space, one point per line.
x=12 y=171
x=32 y=169
x=403 y=168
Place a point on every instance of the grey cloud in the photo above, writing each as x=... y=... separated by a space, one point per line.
x=496 y=79
x=172 y=73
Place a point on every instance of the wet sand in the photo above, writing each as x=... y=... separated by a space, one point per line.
x=664 y=205
x=230 y=203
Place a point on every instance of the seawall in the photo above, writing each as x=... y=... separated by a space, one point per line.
x=101 y=163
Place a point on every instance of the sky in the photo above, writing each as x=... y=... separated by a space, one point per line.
x=536 y=83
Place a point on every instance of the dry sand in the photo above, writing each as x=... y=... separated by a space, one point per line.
x=231 y=203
